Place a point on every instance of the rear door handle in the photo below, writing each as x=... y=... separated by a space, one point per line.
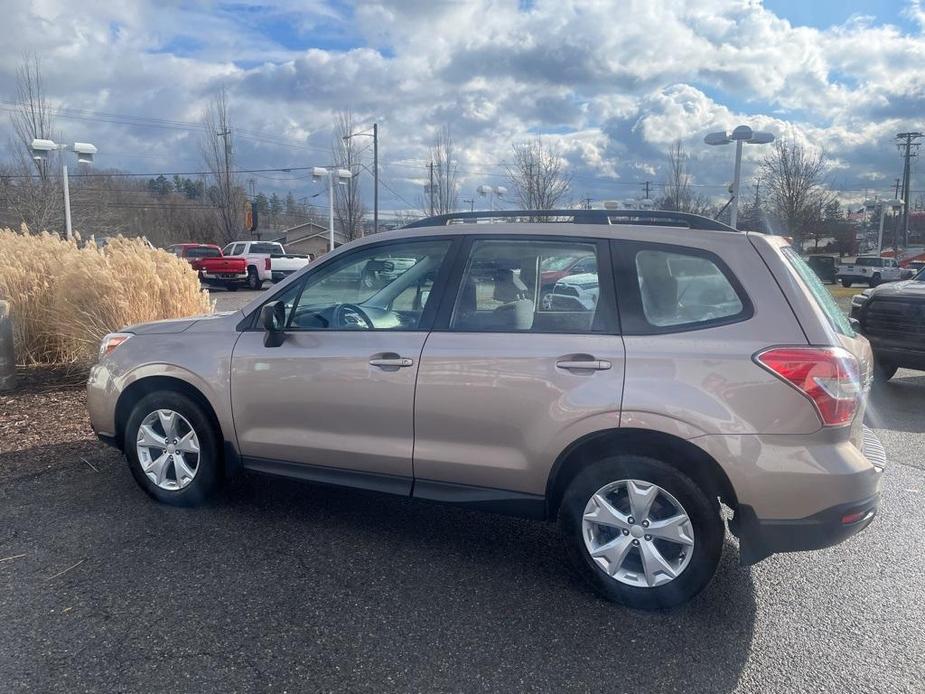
x=391 y=362
x=587 y=365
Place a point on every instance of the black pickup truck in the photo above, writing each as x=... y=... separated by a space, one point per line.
x=892 y=317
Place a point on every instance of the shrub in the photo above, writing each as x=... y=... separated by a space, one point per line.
x=65 y=298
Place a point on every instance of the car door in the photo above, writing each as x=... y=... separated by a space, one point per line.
x=334 y=400
x=507 y=380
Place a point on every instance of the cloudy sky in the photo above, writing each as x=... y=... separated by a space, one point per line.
x=613 y=82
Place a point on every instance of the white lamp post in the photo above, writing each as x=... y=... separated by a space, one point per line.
x=884 y=205
x=492 y=192
x=342 y=176
x=84 y=152
x=742 y=134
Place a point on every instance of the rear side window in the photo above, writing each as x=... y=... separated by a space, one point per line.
x=826 y=301
x=684 y=289
x=203 y=252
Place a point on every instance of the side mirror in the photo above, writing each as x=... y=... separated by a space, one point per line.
x=273 y=320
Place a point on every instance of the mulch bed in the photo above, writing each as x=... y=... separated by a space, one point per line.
x=44 y=423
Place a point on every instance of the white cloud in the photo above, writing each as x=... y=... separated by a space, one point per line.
x=614 y=85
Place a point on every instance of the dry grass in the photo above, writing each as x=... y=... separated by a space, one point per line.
x=65 y=298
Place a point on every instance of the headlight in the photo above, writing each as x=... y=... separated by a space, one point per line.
x=111 y=341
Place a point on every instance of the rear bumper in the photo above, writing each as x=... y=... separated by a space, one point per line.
x=762 y=537
x=759 y=538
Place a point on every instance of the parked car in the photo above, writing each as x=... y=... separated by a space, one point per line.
x=870 y=270
x=574 y=291
x=267 y=261
x=728 y=375
x=824 y=266
x=892 y=317
x=215 y=270
x=555 y=269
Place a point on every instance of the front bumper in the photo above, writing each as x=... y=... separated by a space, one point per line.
x=759 y=538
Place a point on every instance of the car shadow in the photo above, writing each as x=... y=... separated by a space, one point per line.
x=898 y=404
x=297 y=581
x=518 y=571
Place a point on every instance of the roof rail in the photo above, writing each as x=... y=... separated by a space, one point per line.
x=667 y=218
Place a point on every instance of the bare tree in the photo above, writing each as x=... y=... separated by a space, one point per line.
x=217 y=148
x=348 y=207
x=795 y=178
x=679 y=194
x=35 y=197
x=445 y=192
x=537 y=175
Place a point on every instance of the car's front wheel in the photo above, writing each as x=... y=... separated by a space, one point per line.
x=172 y=449
x=641 y=532
x=254 y=282
x=846 y=283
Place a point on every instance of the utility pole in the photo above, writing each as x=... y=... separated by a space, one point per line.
x=224 y=134
x=375 y=178
x=907 y=142
x=896 y=189
x=646 y=184
x=431 y=188
x=587 y=203
x=471 y=204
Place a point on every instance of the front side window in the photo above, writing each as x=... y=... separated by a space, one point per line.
x=383 y=287
x=681 y=289
x=525 y=285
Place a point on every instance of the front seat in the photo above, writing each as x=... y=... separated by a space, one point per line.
x=517 y=311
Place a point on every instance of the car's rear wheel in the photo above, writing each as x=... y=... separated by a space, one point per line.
x=641 y=532
x=253 y=279
x=846 y=283
x=172 y=449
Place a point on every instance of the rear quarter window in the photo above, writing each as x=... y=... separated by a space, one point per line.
x=836 y=317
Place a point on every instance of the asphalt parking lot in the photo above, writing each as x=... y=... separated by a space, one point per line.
x=287 y=587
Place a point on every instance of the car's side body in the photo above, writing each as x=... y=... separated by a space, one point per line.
x=503 y=419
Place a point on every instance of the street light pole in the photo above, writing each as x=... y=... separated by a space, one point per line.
x=734 y=212
x=83 y=150
x=741 y=135
x=342 y=176
x=67 y=206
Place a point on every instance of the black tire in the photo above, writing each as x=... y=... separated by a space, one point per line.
x=846 y=283
x=208 y=475
x=253 y=279
x=884 y=371
x=703 y=511
x=874 y=280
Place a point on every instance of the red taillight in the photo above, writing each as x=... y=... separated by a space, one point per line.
x=828 y=376
x=266 y=263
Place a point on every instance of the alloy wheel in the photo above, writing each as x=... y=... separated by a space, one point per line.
x=168 y=449
x=638 y=533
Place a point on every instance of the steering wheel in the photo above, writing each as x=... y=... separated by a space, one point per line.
x=350 y=316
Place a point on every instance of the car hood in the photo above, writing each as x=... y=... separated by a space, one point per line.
x=176 y=325
x=904 y=288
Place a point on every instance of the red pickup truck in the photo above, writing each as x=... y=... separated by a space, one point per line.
x=214 y=269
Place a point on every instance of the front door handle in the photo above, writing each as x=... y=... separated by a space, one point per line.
x=584 y=364
x=390 y=362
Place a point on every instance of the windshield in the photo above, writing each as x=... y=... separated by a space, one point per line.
x=837 y=319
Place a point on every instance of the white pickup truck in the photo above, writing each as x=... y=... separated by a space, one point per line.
x=870 y=270
x=267 y=261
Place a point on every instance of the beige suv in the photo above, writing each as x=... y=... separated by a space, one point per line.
x=689 y=365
